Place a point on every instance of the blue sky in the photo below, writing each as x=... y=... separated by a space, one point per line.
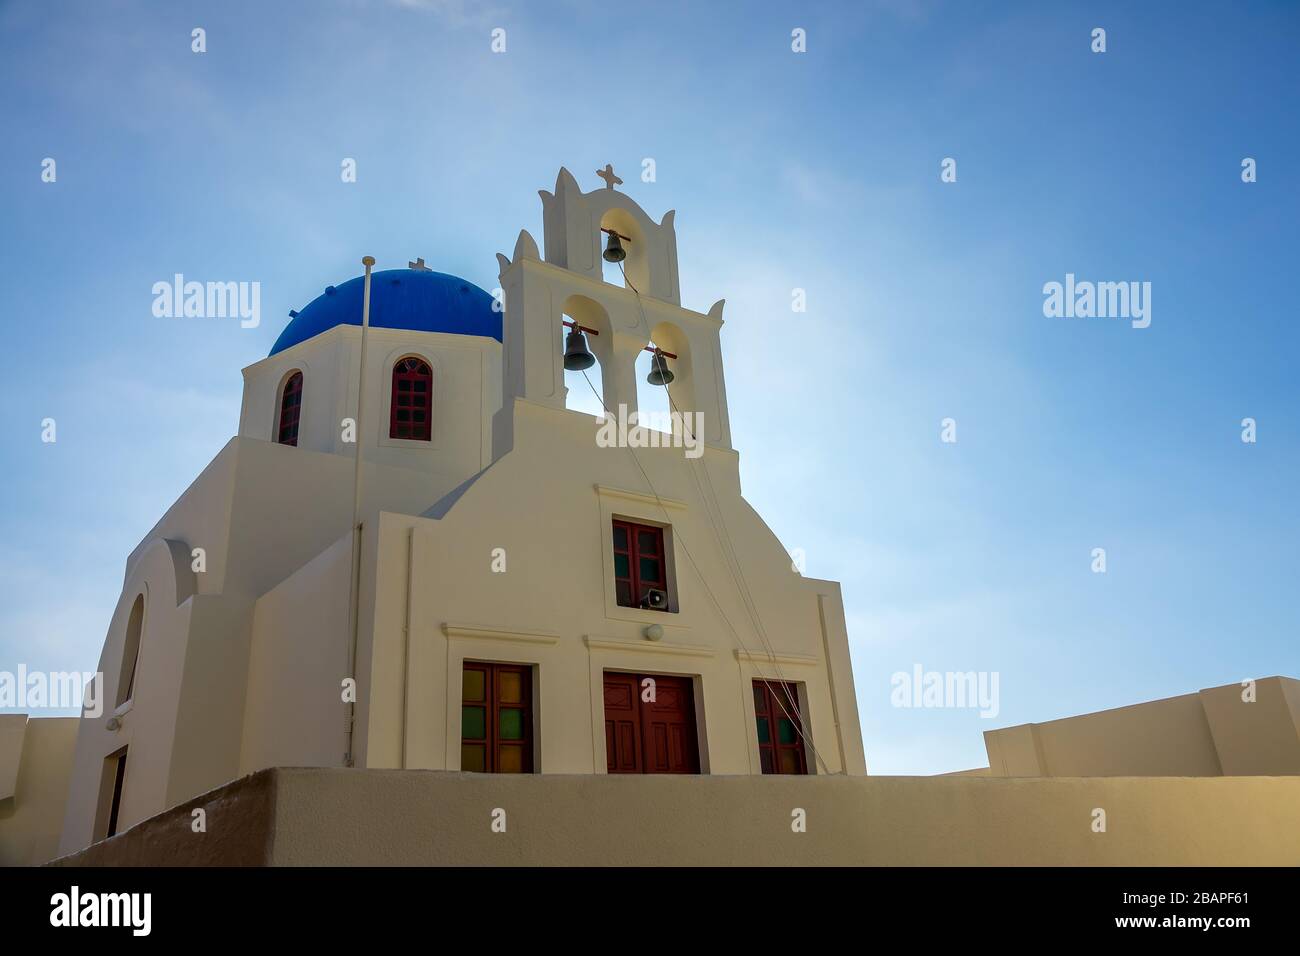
x=817 y=171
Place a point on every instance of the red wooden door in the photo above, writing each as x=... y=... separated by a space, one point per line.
x=654 y=735
x=622 y=724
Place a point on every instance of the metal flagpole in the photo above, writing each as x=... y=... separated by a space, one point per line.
x=354 y=599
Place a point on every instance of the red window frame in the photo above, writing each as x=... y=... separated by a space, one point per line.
x=491 y=711
x=776 y=718
x=640 y=543
x=290 y=410
x=410 y=412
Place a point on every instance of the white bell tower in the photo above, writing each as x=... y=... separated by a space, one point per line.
x=540 y=293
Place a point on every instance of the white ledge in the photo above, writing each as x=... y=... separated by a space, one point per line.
x=765 y=658
x=500 y=634
x=654 y=647
x=639 y=497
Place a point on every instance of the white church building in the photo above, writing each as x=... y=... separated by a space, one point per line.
x=516 y=594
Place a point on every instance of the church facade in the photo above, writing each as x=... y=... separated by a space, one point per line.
x=517 y=592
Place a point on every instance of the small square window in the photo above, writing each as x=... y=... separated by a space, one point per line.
x=638 y=564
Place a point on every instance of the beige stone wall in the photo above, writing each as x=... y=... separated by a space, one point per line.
x=1210 y=733
x=35 y=767
x=351 y=817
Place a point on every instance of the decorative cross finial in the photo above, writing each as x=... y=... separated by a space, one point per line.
x=607 y=174
x=418 y=265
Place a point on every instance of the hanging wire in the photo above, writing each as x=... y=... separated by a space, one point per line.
x=796 y=718
x=733 y=566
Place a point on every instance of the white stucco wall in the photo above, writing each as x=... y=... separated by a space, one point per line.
x=549 y=504
x=294 y=712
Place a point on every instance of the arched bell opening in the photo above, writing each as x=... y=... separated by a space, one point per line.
x=665 y=383
x=622 y=235
x=586 y=338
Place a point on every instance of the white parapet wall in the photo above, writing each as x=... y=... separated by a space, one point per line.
x=295 y=817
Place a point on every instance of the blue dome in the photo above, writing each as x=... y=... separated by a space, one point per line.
x=399 y=299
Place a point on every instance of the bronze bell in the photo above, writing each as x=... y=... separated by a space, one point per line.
x=614 y=251
x=576 y=354
x=660 y=373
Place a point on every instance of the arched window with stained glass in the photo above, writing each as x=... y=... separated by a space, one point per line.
x=411 y=410
x=290 y=410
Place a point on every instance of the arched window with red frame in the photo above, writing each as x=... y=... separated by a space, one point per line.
x=411 y=410
x=290 y=410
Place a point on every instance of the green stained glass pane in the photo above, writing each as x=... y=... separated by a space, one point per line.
x=764 y=731
x=622 y=566
x=620 y=539
x=471 y=758
x=473 y=723
x=511 y=723
x=785 y=731
x=647 y=542
x=471 y=685
x=650 y=571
